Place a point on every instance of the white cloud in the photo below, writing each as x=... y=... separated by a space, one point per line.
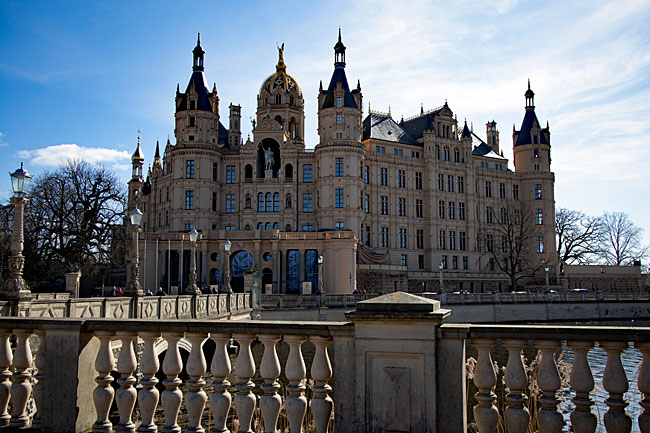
x=3 y=143
x=54 y=155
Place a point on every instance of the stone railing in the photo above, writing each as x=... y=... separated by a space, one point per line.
x=145 y=307
x=395 y=367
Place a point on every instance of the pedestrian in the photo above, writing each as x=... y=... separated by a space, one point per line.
x=148 y=293
x=160 y=292
x=114 y=293
x=120 y=293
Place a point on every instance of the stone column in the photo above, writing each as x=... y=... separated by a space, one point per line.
x=72 y=283
x=395 y=363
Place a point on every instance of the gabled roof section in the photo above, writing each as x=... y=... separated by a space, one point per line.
x=198 y=81
x=339 y=76
x=382 y=127
x=530 y=119
x=481 y=148
x=415 y=126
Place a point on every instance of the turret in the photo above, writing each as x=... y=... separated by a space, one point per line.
x=135 y=184
x=234 y=131
x=492 y=135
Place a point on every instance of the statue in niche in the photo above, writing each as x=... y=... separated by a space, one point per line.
x=268 y=158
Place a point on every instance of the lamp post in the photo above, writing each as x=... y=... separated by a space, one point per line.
x=15 y=285
x=226 y=272
x=320 y=274
x=441 y=266
x=134 y=289
x=546 y=268
x=192 y=288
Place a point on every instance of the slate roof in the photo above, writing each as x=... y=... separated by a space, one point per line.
x=382 y=127
x=416 y=126
x=524 y=134
x=339 y=76
x=481 y=148
x=201 y=87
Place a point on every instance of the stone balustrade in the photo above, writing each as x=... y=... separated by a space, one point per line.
x=393 y=365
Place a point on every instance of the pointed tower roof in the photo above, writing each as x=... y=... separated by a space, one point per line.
x=530 y=120
x=198 y=55
x=197 y=81
x=138 y=155
x=339 y=77
x=157 y=154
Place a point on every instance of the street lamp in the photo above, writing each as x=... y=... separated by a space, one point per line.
x=320 y=274
x=15 y=285
x=134 y=289
x=546 y=268
x=192 y=288
x=441 y=267
x=226 y=273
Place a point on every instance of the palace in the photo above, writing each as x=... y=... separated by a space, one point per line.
x=388 y=204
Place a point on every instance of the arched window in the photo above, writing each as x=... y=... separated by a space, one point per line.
x=437 y=152
x=278 y=99
x=269 y=202
x=260 y=202
x=456 y=155
x=278 y=119
x=288 y=201
x=446 y=153
x=248 y=201
x=287 y=228
x=276 y=202
x=248 y=227
x=268 y=226
x=248 y=171
x=260 y=226
x=276 y=226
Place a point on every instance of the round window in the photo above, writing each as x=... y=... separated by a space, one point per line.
x=214 y=257
x=267 y=257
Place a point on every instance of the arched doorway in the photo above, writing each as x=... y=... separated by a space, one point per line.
x=239 y=263
x=268 y=144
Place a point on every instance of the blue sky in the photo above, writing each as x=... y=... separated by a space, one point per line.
x=78 y=79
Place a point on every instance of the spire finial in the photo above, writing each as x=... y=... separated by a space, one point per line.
x=421 y=108
x=368 y=108
x=529 y=84
x=339 y=33
x=389 y=113
x=281 y=66
x=198 y=39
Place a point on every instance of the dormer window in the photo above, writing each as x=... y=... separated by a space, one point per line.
x=192 y=105
x=339 y=101
x=278 y=99
x=192 y=121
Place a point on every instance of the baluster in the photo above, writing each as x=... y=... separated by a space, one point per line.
x=39 y=363
x=583 y=420
x=270 y=402
x=549 y=417
x=245 y=369
x=220 y=398
x=103 y=394
x=321 y=372
x=148 y=395
x=485 y=379
x=6 y=359
x=296 y=404
x=21 y=386
x=126 y=394
x=615 y=383
x=172 y=396
x=516 y=414
x=195 y=398
x=644 y=386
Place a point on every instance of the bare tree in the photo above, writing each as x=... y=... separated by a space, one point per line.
x=578 y=236
x=71 y=215
x=509 y=240
x=621 y=239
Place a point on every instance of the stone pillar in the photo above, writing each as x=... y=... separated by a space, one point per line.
x=396 y=362
x=72 y=283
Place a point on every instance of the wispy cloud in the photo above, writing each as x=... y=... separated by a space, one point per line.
x=3 y=143
x=54 y=155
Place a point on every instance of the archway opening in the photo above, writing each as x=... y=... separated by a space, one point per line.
x=240 y=262
x=268 y=155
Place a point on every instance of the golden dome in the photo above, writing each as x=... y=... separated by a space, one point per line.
x=280 y=79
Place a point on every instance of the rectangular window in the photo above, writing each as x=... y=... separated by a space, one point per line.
x=443 y=260
x=515 y=192
x=419 y=239
x=189 y=169
x=384 y=205
x=214 y=202
x=540 y=244
x=536 y=167
x=214 y=171
x=441 y=209
x=502 y=215
x=192 y=121
x=402 y=238
x=489 y=243
x=461 y=211
x=502 y=190
x=384 y=237
x=465 y=260
x=339 y=225
x=339 y=101
x=539 y=216
x=368 y=235
x=461 y=241
x=452 y=240
x=230 y=228
x=418 y=180
x=421 y=261
x=377 y=149
x=441 y=182
x=454 y=262
x=418 y=208
x=366 y=175
x=307 y=228
x=339 y=119
x=450 y=183
x=538 y=191
x=383 y=149
x=307 y=173
x=461 y=184
x=189 y=200
x=403 y=260
x=189 y=226
x=401 y=178
x=339 y=197
x=452 y=210
x=488 y=214
x=441 y=240
x=230 y=203
x=230 y=174
x=402 y=206
x=383 y=176
x=366 y=203
x=488 y=188
x=339 y=167
x=307 y=202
